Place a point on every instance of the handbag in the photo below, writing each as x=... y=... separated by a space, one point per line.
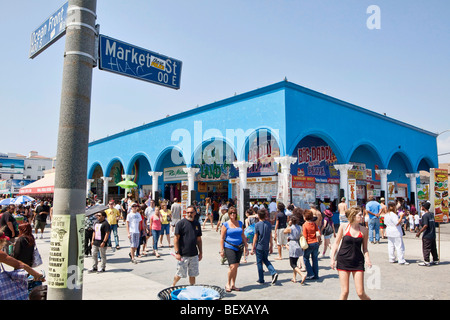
x=328 y=229
x=13 y=284
x=303 y=243
x=37 y=260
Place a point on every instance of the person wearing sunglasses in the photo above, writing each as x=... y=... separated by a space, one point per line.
x=100 y=238
x=188 y=247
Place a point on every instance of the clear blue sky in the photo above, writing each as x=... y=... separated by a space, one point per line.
x=234 y=46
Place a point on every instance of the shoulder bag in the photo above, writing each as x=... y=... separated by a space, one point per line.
x=37 y=260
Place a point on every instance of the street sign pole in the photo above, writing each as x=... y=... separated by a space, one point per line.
x=65 y=270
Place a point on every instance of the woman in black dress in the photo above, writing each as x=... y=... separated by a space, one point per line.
x=352 y=239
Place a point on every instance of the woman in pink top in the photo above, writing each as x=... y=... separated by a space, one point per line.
x=155 y=225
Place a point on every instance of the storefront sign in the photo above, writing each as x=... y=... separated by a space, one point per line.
x=262 y=152
x=175 y=174
x=215 y=171
x=303 y=182
x=315 y=158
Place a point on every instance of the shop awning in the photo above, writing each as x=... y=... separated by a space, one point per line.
x=45 y=185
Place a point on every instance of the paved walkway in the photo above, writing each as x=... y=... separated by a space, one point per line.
x=126 y=281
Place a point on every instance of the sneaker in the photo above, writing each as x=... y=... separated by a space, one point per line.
x=92 y=270
x=403 y=263
x=321 y=256
x=274 y=278
x=435 y=263
x=424 y=264
x=259 y=282
x=101 y=271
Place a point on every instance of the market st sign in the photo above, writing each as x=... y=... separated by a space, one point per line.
x=128 y=60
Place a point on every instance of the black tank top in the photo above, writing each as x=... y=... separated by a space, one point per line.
x=350 y=256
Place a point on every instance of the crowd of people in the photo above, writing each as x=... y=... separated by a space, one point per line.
x=301 y=231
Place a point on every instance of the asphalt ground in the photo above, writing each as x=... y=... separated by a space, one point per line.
x=124 y=280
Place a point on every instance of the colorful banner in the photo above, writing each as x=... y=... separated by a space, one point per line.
x=315 y=158
x=263 y=149
x=439 y=196
x=352 y=192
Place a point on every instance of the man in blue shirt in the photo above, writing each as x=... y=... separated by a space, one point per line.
x=262 y=244
x=373 y=209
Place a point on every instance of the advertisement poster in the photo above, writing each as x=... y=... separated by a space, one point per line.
x=184 y=197
x=81 y=238
x=315 y=158
x=392 y=191
x=352 y=195
x=59 y=250
x=439 y=195
x=423 y=192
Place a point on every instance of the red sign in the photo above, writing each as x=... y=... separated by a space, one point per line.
x=303 y=182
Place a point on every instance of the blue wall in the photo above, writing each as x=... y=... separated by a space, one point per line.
x=291 y=113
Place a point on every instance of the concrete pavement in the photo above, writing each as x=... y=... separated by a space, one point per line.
x=124 y=280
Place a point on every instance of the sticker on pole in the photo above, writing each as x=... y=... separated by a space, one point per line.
x=120 y=57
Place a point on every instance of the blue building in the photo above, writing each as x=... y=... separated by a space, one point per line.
x=280 y=141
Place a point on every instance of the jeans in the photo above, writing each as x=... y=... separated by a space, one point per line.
x=95 y=252
x=155 y=234
x=429 y=247
x=374 y=225
x=116 y=235
x=262 y=256
x=313 y=252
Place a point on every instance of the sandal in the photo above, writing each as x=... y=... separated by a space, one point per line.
x=235 y=288
x=227 y=289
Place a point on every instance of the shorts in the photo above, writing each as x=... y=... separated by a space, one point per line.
x=328 y=236
x=188 y=266
x=39 y=224
x=165 y=228
x=281 y=237
x=134 y=240
x=233 y=256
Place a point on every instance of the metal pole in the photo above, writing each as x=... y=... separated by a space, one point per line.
x=73 y=137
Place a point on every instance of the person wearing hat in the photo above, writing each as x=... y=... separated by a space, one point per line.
x=327 y=231
x=429 y=237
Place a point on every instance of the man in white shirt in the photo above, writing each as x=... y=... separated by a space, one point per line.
x=272 y=206
x=133 y=220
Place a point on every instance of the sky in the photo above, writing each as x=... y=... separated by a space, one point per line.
x=228 y=47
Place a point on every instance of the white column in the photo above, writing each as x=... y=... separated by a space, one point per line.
x=384 y=181
x=243 y=168
x=106 y=181
x=285 y=163
x=191 y=181
x=413 y=186
x=343 y=181
x=155 y=175
x=88 y=186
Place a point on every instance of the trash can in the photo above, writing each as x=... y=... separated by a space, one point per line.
x=199 y=291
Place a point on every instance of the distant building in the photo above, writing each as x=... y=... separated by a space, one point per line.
x=17 y=170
